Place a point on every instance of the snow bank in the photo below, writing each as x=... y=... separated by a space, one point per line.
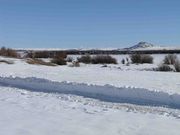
x=108 y=93
x=34 y=113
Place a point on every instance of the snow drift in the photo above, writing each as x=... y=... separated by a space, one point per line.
x=107 y=93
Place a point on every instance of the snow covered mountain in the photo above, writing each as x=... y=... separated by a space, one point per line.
x=142 y=45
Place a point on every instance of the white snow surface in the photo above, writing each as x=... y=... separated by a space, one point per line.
x=90 y=99
x=115 y=75
x=34 y=113
x=107 y=93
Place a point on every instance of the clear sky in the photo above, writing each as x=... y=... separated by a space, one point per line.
x=88 y=23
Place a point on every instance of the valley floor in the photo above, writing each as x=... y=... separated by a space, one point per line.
x=90 y=99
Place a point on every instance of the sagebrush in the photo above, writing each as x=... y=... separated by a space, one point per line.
x=59 y=61
x=98 y=59
x=85 y=59
x=39 y=62
x=141 y=58
x=103 y=59
x=177 y=65
x=170 y=59
x=164 y=68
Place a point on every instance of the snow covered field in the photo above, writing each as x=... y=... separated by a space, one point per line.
x=35 y=113
x=89 y=99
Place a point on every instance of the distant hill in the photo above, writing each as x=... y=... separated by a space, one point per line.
x=142 y=45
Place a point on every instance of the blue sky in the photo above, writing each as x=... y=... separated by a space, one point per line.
x=88 y=23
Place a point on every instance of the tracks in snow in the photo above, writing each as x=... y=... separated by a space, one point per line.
x=106 y=93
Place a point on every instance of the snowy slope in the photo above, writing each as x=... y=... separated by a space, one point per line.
x=106 y=93
x=142 y=45
x=125 y=76
x=148 y=46
x=30 y=113
x=90 y=99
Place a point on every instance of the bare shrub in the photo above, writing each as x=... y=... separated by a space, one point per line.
x=59 y=61
x=40 y=54
x=164 y=67
x=135 y=58
x=9 y=52
x=29 y=55
x=85 y=59
x=103 y=59
x=177 y=65
x=59 y=58
x=39 y=62
x=141 y=58
x=98 y=59
x=147 y=58
x=170 y=59
x=62 y=55
x=46 y=54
